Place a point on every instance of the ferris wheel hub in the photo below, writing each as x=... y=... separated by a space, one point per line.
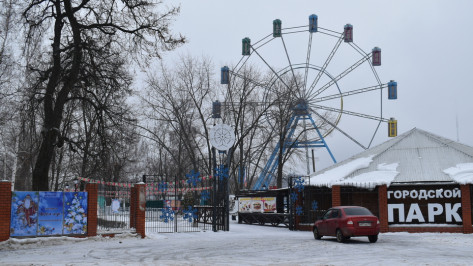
x=300 y=107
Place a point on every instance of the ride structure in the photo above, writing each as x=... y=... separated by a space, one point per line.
x=318 y=108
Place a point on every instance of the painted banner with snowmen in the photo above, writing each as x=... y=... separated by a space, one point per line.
x=48 y=213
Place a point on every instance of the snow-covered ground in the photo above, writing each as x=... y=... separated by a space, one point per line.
x=242 y=245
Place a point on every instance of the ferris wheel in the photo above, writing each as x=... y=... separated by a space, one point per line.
x=328 y=82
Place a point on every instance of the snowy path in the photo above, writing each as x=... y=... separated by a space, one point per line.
x=243 y=245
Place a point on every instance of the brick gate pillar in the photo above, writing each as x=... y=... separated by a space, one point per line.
x=140 y=209
x=466 y=209
x=132 y=206
x=5 y=210
x=336 y=198
x=383 y=208
x=92 y=200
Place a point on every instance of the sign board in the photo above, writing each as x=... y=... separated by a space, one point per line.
x=257 y=204
x=222 y=137
x=421 y=205
x=48 y=213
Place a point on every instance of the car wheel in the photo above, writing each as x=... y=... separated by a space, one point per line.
x=316 y=233
x=373 y=239
x=340 y=237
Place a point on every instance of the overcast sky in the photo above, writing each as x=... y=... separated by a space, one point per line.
x=426 y=47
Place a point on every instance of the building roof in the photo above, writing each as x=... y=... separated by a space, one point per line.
x=417 y=156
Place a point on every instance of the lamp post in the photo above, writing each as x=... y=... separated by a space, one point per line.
x=76 y=181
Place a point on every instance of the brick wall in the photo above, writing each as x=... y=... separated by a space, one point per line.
x=92 y=191
x=466 y=209
x=383 y=208
x=336 y=199
x=5 y=210
x=140 y=209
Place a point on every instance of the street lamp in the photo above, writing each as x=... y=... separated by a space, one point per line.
x=76 y=181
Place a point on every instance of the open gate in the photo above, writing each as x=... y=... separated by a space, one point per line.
x=191 y=205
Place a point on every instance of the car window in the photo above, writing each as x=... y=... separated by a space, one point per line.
x=357 y=211
x=335 y=213
x=328 y=214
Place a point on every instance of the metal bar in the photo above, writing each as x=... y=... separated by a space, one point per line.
x=348 y=93
x=321 y=138
x=327 y=62
x=351 y=113
x=307 y=61
x=341 y=75
x=343 y=132
x=289 y=60
x=270 y=67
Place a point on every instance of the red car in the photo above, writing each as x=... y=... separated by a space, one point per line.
x=347 y=221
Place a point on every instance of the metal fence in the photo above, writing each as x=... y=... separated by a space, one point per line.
x=113 y=211
x=174 y=205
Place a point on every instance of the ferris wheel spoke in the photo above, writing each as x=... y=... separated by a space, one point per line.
x=341 y=75
x=348 y=93
x=330 y=31
x=331 y=109
x=374 y=134
x=265 y=86
x=309 y=48
x=289 y=60
x=327 y=62
x=275 y=73
x=363 y=53
x=340 y=130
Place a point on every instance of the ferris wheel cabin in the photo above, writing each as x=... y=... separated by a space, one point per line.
x=277 y=28
x=392 y=90
x=392 y=127
x=348 y=33
x=376 y=52
x=313 y=23
x=246 y=44
x=224 y=75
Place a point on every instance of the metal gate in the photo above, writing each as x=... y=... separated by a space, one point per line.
x=113 y=212
x=190 y=205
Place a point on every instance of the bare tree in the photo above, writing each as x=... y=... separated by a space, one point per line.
x=88 y=38
x=179 y=101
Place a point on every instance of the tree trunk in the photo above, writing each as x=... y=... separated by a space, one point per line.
x=43 y=162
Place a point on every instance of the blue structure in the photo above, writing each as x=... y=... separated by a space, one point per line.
x=313 y=23
x=224 y=75
x=392 y=90
x=300 y=113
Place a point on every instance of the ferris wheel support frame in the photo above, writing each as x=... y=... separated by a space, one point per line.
x=300 y=113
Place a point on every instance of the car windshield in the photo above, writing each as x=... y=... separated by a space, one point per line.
x=357 y=211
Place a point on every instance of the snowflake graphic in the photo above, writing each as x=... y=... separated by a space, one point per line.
x=193 y=178
x=221 y=172
x=299 y=210
x=293 y=196
x=205 y=195
x=299 y=184
x=162 y=186
x=315 y=205
x=167 y=215
x=190 y=214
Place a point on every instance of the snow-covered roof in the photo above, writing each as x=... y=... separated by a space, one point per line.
x=416 y=156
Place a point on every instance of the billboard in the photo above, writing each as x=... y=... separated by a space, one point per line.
x=48 y=213
x=421 y=205
x=257 y=204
